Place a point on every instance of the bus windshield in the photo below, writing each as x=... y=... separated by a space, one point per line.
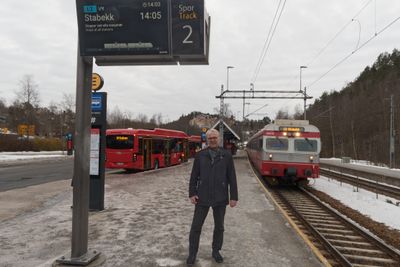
x=119 y=141
x=305 y=145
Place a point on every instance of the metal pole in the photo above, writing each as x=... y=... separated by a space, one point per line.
x=221 y=124
x=305 y=103
x=81 y=179
x=305 y=94
x=80 y=211
x=391 y=156
x=244 y=98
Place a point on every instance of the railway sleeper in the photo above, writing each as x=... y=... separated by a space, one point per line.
x=321 y=219
x=327 y=225
x=334 y=231
x=362 y=252
x=343 y=237
x=370 y=260
x=364 y=245
x=325 y=220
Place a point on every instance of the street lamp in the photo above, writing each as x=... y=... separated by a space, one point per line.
x=305 y=92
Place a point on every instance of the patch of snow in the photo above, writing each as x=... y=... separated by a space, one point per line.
x=366 y=202
x=168 y=262
x=24 y=155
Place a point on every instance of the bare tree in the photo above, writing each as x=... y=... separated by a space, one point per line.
x=28 y=92
x=282 y=114
x=68 y=102
x=226 y=112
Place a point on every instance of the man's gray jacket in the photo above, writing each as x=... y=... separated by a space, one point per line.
x=211 y=179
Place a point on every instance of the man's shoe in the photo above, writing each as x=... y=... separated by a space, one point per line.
x=191 y=259
x=217 y=257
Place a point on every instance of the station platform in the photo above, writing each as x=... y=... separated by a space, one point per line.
x=146 y=223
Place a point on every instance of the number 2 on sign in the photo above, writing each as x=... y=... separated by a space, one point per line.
x=187 y=41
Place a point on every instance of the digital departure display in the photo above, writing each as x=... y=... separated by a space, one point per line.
x=124 y=27
x=188 y=27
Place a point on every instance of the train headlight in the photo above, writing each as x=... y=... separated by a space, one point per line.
x=270 y=156
x=297 y=134
x=311 y=158
x=134 y=158
x=284 y=133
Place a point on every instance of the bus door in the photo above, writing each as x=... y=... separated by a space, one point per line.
x=146 y=154
x=185 y=150
x=167 y=153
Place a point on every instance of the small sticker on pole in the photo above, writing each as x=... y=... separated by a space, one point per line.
x=97 y=82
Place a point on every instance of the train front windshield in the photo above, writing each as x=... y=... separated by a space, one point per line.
x=306 y=145
x=119 y=141
x=277 y=144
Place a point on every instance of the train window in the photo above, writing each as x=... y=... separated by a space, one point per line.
x=306 y=145
x=119 y=141
x=276 y=144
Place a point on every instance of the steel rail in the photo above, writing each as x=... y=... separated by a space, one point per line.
x=362 y=182
x=387 y=250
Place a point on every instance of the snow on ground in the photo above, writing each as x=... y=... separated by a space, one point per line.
x=15 y=156
x=362 y=163
x=366 y=202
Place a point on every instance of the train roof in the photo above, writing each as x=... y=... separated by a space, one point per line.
x=159 y=132
x=277 y=125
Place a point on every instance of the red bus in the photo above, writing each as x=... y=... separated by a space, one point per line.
x=139 y=149
x=194 y=144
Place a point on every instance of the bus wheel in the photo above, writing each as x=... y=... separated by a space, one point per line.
x=156 y=165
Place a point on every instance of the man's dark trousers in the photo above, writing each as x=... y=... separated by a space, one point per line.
x=200 y=214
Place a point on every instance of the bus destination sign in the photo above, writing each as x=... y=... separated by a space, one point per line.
x=123 y=27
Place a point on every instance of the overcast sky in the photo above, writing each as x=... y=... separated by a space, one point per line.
x=39 y=38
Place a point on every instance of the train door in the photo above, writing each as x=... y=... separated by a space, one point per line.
x=147 y=154
x=167 y=153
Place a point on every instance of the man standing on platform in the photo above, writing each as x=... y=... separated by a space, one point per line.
x=212 y=184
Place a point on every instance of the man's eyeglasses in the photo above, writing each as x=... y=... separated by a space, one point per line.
x=212 y=138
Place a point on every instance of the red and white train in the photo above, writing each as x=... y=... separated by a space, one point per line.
x=286 y=151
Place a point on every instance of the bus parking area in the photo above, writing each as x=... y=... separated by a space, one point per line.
x=146 y=222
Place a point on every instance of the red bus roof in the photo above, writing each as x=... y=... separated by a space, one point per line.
x=157 y=132
x=195 y=138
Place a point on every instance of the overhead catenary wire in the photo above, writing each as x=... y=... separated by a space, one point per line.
x=322 y=50
x=270 y=35
x=353 y=52
x=338 y=33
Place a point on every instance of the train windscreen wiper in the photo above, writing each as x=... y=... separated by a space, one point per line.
x=308 y=141
x=280 y=141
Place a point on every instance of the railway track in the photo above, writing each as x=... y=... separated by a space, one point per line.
x=343 y=243
x=373 y=186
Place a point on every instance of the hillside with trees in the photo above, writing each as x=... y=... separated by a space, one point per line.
x=355 y=122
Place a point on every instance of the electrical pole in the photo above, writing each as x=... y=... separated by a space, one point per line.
x=392 y=134
x=305 y=103
x=221 y=113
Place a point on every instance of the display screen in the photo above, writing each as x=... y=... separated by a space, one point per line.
x=188 y=27
x=124 y=27
x=291 y=129
x=119 y=141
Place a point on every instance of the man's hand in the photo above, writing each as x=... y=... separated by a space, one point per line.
x=194 y=199
x=232 y=203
